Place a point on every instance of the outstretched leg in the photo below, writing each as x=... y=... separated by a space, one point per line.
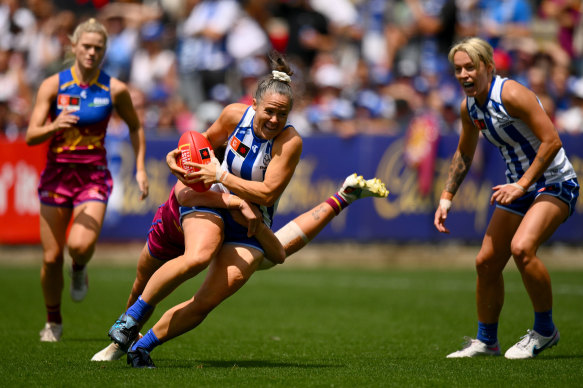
x=297 y=233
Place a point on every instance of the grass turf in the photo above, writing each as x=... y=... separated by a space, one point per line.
x=293 y=327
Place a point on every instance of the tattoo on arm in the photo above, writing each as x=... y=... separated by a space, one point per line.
x=459 y=167
x=316 y=213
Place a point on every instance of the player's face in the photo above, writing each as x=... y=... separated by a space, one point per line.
x=475 y=81
x=89 y=50
x=270 y=115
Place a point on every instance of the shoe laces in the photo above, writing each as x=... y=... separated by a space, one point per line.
x=468 y=341
x=525 y=339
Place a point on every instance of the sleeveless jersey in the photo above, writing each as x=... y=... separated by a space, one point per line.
x=247 y=156
x=515 y=140
x=84 y=143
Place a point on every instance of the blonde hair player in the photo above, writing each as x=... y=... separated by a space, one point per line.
x=540 y=193
x=72 y=111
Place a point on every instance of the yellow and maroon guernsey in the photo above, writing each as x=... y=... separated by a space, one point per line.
x=83 y=144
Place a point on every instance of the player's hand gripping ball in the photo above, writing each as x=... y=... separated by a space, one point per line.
x=195 y=148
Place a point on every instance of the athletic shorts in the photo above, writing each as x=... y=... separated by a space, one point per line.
x=567 y=191
x=70 y=184
x=235 y=233
x=166 y=237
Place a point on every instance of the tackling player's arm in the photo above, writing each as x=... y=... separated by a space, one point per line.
x=40 y=128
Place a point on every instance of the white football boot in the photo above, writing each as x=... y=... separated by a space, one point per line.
x=476 y=348
x=112 y=352
x=531 y=345
x=51 y=332
x=356 y=187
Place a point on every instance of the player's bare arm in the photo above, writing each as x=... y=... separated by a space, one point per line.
x=287 y=149
x=462 y=159
x=40 y=128
x=458 y=168
x=124 y=106
x=523 y=104
x=219 y=131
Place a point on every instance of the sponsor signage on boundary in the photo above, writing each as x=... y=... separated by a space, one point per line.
x=405 y=216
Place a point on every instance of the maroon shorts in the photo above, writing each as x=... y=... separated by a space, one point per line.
x=166 y=237
x=69 y=184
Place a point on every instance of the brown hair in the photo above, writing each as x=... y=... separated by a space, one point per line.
x=272 y=84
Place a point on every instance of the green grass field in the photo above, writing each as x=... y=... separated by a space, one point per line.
x=296 y=327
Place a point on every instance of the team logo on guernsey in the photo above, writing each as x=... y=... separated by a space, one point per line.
x=239 y=148
x=99 y=101
x=205 y=154
x=480 y=124
x=66 y=101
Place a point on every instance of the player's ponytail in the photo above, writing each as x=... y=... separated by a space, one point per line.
x=279 y=81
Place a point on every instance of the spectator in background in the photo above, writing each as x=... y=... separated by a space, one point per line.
x=154 y=67
x=503 y=21
x=15 y=95
x=308 y=31
x=202 y=56
x=17 y=25
x=571 y=120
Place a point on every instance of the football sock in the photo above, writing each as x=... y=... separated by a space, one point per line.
x=139 y=309
x=54 y=314
x=543 y=323
x=337 y=202
x=148 y=342
x=488 y=333
x=78 y=267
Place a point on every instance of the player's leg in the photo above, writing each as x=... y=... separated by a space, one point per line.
x=490 y=262
x=299 y=232
x=203 y=234
x=147 y=265
x=230 y=270
x=87 y=222
x=540 y=222
x=53 y=229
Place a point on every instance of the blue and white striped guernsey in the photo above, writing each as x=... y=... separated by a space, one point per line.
x=515 y=140
x=247 y=156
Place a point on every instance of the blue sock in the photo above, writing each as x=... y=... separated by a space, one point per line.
x=139 y=309
x=543 y=323
x=488 y=333
x=148 y=342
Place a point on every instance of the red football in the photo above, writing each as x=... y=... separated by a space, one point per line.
x=194 y=148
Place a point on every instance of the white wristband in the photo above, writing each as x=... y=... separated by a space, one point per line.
x=515 y=184
x=445 y=204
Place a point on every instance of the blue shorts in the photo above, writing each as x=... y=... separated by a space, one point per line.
x=235 y=233
x=567 y=191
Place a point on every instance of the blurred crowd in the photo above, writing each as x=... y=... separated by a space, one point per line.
x=360 y=66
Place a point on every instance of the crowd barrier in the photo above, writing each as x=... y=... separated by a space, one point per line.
x=405 y=216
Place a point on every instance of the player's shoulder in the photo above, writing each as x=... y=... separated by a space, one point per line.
x=289 y=137
x=50 y=85
x=117 y=87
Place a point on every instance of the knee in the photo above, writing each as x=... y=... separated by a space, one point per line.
x=522 y=252
x=486 y=266
x=194 y=263
x=53 y=258
x=80 y=251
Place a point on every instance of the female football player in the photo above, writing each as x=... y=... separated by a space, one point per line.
x=72 y=111
x=539 y=194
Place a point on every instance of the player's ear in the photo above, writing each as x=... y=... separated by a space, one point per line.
x=254 y=105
